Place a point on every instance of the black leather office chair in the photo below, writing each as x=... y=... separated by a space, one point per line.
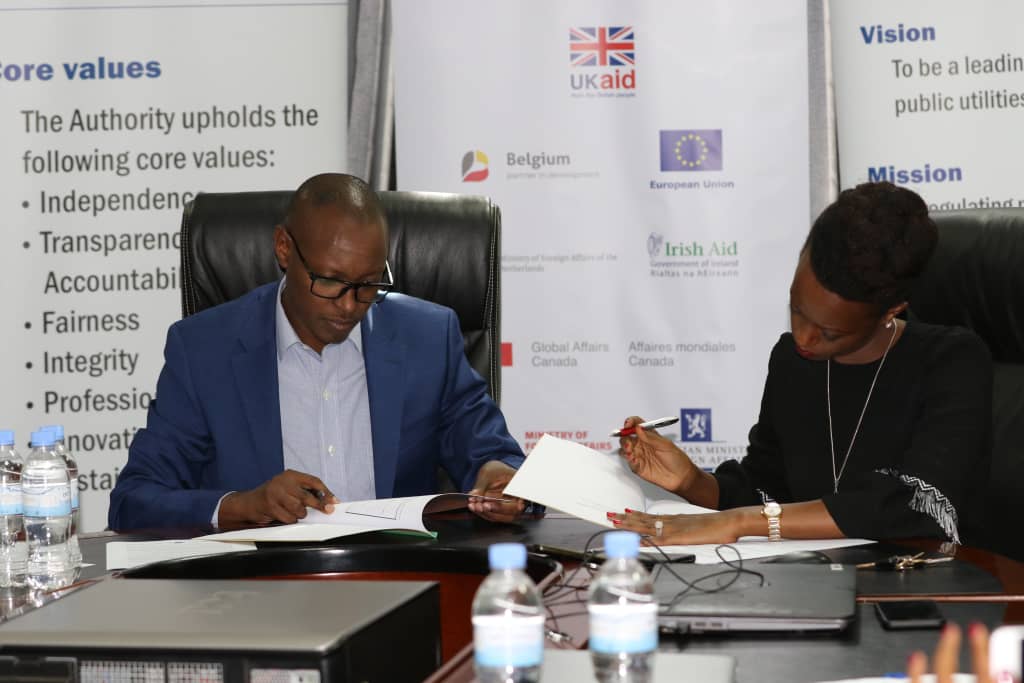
x=976 y=279
x=444 y=248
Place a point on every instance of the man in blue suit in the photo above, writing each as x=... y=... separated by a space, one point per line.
x=315 y=389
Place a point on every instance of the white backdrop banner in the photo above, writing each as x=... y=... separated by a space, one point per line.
x=930 y=95
x=650 y=162
x=114 y=114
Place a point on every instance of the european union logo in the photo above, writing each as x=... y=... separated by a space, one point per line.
x=691 y=150
x=696 y=424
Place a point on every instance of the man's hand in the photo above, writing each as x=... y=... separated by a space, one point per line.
x=282 y=499
x=490 y=482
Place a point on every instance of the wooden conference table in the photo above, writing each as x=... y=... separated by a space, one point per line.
x=976 y=586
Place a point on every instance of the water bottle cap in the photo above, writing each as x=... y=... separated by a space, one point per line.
x=6 y=437
x=42 y=437
x=58 y=431
x=621 y=544
x=507 y=556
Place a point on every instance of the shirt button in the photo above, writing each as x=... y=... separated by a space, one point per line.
x=330 y=450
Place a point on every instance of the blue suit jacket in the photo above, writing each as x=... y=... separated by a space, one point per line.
x=215 y=425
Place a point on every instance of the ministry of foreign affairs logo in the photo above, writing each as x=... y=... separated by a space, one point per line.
x=654 y=243
x=696 y=424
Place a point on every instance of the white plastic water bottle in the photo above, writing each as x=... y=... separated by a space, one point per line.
x=13 y=550
x=623 y=613
x=47 y=501
x=508 y=620
x=74 y=550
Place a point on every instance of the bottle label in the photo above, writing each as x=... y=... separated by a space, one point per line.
x=499 y=640
x=623 y=628
x=73 y=485
x=10 y=499
x=50 y=502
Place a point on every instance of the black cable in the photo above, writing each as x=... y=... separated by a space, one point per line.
x=555 y=594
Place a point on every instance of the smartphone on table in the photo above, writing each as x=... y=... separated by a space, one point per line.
x=909 y=614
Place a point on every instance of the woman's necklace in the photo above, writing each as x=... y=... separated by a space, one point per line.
x=828 y=394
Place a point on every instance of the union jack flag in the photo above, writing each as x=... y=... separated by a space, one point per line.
x=601 y=46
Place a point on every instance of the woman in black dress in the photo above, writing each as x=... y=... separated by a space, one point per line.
x=870 y=426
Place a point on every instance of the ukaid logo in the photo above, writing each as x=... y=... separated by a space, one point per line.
x=696 y=424
x=475 y=166
x=601 y=60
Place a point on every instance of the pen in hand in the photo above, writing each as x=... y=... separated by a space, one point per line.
x=649 y=425
x=325 y=499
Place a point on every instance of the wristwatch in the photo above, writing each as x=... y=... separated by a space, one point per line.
x=772 y=511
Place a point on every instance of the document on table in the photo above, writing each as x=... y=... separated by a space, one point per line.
x=128 y=554
x=354 y=517
x=896 y=678
x=751 y=548
x=588 y=484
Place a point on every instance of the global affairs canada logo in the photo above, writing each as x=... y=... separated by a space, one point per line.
x=691 y=150
x=602 y=59
x=696 y=424
x=475 y=166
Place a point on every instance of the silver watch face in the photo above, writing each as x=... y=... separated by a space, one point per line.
x=772 y=509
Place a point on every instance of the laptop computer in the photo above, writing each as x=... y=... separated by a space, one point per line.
x=763 y=597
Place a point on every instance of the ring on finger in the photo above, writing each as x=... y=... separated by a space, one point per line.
x=659 y=526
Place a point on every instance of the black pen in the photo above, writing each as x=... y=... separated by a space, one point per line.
x=320 y=494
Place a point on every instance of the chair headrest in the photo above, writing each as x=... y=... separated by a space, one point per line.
x=976 y=278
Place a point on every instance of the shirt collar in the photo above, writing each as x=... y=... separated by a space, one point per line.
x=286 y=336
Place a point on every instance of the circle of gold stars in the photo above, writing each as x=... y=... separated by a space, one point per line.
x=693 y=137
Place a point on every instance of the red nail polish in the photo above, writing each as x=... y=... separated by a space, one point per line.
x=629 y=510
x=610 y=515
x=616 y=522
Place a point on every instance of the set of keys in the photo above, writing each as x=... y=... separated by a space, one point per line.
x=901 y=563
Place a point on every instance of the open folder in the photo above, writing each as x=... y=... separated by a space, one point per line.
x=351 y=518
x=589 y=484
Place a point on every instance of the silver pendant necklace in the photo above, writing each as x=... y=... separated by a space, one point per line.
x=836 y=476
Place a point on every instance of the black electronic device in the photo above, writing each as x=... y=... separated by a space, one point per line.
x=228 y=631
x=909 y=614
x=596 y=556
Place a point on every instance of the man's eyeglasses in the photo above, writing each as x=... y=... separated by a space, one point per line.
x=333 y=288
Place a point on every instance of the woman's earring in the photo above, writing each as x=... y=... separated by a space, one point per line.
x=889 y=324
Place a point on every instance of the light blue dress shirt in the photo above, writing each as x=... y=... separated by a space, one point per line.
x=325 y=411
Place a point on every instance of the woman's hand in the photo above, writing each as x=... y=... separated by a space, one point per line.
x=947 y=655
x=656 y=459
x=714 y=527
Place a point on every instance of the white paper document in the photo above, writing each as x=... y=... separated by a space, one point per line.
x=351 y=518
x=589 y=484
x=927 y=678
x=751 y=548
x=128 y=554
